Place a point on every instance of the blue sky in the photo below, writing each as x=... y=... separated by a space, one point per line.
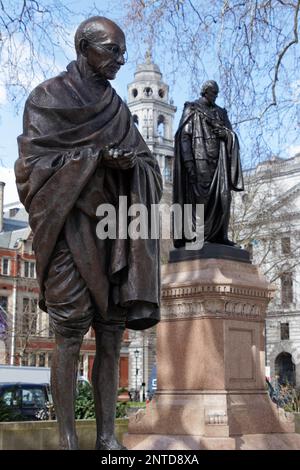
x=11 y=119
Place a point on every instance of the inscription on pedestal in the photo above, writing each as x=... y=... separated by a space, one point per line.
x=241 y=345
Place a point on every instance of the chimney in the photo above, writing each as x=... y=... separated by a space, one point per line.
x=1 y=204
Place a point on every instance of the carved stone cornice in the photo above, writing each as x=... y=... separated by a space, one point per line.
x=185 y=291
x=214 y=288
x=213 y=308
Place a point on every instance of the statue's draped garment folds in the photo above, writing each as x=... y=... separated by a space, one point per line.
x=217 y=167
x=61 y=182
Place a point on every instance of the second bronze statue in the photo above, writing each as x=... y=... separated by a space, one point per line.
x=207 y=164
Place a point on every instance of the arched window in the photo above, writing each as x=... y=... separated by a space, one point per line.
x=285 y=369
x=161 y=93
x=148 y=91
x=161 y=125
x=136 y=120
x=134 y=92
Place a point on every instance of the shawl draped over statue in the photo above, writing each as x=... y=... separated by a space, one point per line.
x=68 y=120
x=222 y=167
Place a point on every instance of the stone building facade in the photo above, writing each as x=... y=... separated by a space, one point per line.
x=266 y=220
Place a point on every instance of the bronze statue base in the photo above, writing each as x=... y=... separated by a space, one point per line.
x=210 y=250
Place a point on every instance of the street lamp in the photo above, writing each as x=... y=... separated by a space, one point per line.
x=136 y=354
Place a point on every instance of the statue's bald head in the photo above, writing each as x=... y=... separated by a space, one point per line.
x=96 y=29
x=209 y=84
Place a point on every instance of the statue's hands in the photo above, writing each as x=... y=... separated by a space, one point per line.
x=118 y=159
x=220 y=133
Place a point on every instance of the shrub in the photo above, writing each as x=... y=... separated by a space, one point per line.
x=7 y=414
x=84 y=405
x=85 y=408
x=293 y=400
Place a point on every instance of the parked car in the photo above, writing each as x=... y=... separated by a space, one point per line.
x=27 y=401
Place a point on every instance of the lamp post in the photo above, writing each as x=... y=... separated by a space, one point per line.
x=136 y=354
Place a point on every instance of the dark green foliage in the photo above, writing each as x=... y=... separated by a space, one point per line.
x=121 y=410
x=292 y=399
x=7 y=414
x=4 y=411
x=84 y=406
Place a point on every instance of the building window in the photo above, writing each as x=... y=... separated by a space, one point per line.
x=285 y=369
x=29 y=316
x=3 y=316
x=161 y=125
x=161 y=93
x=3 y=303
x=42 y=359
x=148 y=91
x=49 y=359
x=286 y=280
x=5 y=268
x=284 y=331
x=136 y=120
x=134 y=92
x=29 y=269
x=286 y=246
x=32 y=360
x=24 y=360
x=168 y=170
x=13 y=211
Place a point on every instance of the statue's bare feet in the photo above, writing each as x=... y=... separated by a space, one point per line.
x=109 y=444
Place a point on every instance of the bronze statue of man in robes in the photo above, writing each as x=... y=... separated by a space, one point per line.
x=207 y=164
x=79 y=149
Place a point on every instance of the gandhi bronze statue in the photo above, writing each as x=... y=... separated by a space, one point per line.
x=207 y=164
x=75 y=125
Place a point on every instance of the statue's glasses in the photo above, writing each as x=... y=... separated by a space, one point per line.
x=112 y=49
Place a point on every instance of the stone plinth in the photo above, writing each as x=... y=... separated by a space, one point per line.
x=211 y=363
x=43 y=435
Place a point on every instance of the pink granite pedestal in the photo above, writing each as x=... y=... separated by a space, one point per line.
x=210 y=364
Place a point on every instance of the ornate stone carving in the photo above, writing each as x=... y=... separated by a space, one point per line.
x=216 y=417
x=184 y=291
x=182 y=309
x=216 y=307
